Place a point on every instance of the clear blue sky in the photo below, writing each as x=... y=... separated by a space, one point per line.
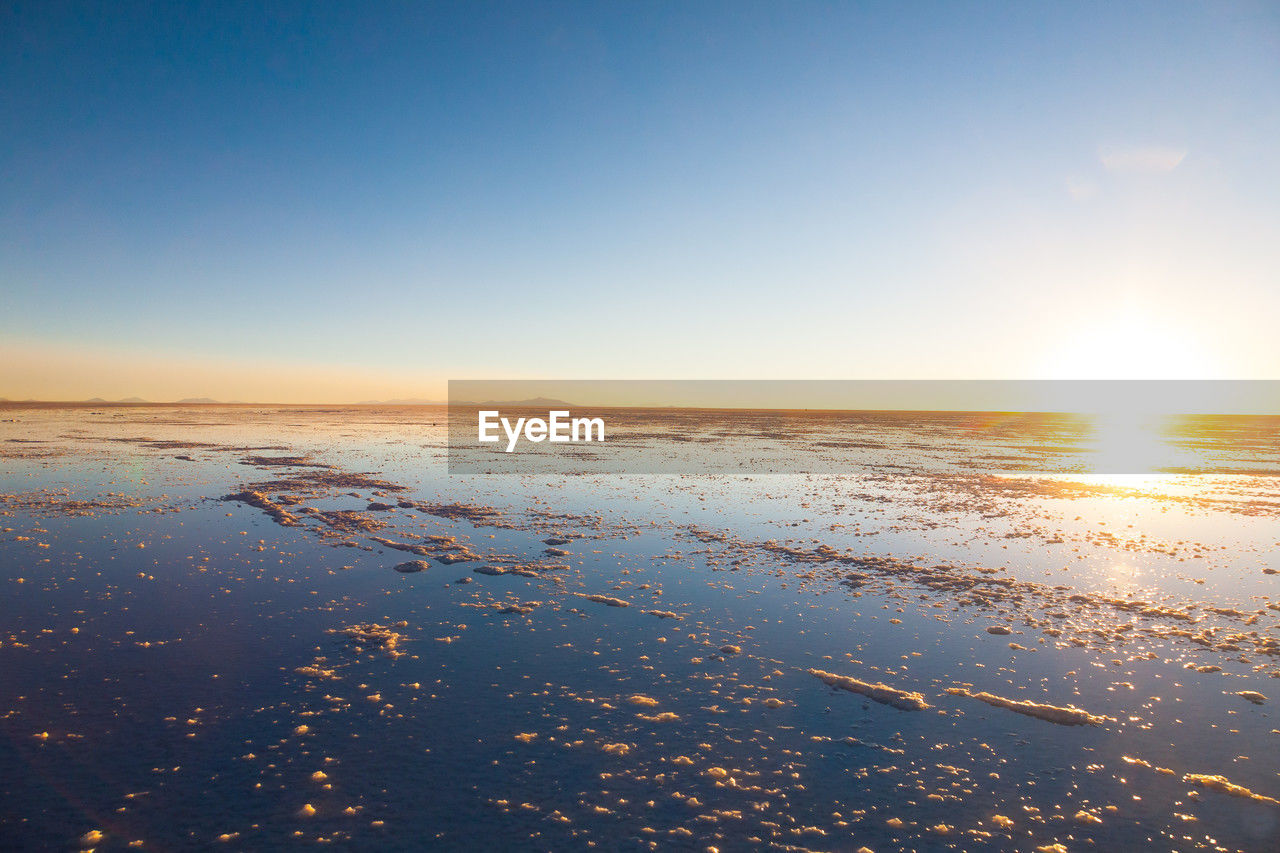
x=211 y=198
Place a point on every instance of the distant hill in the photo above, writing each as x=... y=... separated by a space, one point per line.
x=531 y=403
x=402 y=401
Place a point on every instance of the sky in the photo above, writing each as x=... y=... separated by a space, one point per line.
x=322 y=202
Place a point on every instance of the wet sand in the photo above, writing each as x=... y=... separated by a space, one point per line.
x=265 y=627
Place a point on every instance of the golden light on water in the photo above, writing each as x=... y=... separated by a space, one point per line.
x=1124 y=576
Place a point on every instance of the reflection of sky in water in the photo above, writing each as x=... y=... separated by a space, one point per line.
x=228 y=625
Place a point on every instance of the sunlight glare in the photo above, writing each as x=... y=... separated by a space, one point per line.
x=1129 y=345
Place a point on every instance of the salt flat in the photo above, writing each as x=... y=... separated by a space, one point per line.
x=208 y=634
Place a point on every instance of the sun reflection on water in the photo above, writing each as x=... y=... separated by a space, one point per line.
x=1133 y=443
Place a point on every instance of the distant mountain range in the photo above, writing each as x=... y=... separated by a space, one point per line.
x=141 y=400
x=531 y=403
x=402 y=401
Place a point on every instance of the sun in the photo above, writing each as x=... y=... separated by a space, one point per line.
x=1130 y=345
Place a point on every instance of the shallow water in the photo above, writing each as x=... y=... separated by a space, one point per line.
x=178 y=670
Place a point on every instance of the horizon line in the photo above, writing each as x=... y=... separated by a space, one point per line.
x=524 y=405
